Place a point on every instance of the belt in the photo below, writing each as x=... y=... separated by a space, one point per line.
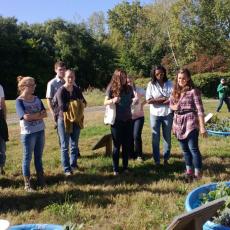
x=182 y=112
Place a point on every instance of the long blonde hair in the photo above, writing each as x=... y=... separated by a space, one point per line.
x=22 y=81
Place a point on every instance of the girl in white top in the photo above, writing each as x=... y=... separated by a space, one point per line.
x=137 y=119
x=157 y=95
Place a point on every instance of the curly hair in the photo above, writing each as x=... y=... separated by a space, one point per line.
x=177 y=90
x=153 y=73
x=115 y=84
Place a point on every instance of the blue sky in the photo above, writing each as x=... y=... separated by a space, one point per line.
x=38 y=11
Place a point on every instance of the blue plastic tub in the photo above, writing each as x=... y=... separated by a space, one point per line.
x=218 y=133
x=193 y=201
x=36 y=227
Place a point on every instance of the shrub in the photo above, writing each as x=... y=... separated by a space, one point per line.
x=217 y=124
x=206 y=63
x=208 y=82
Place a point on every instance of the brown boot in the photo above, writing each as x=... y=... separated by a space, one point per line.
x=28 y=187
x=40 y=180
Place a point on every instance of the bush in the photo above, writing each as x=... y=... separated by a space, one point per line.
x=207 y=82
x=206 y=63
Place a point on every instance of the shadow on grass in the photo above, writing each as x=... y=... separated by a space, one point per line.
x=11 y=182
x=141 y=175
x=99 y=197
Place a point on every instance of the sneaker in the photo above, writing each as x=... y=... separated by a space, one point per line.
x=115 y=173
x=29 y=189
x=68 y=173
x=197 y=177
x=140 y=159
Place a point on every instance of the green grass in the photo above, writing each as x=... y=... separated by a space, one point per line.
x=146 y=198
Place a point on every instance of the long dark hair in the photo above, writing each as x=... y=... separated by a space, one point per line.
x=153 y=74
x=177 y=90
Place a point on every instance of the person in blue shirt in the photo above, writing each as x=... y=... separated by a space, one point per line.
x=31 y=112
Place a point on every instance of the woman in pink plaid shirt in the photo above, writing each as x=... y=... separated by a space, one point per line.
x=188 y=120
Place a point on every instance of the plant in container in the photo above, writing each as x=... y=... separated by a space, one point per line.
x=207 y=193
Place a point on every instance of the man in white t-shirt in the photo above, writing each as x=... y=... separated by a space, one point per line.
x=3 y=131
x=54 y=84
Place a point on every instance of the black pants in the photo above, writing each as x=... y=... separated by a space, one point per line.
x=136 y=144
x=122 y=136
x=221 y=101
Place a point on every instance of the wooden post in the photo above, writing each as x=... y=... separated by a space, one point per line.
x=105 y=141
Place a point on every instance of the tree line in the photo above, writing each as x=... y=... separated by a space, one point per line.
x=175 y=33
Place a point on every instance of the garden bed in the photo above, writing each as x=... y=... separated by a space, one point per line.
x=193 y=200
x=218 y=127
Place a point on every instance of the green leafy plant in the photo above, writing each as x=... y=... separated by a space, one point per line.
x=217 y=124
x=223 y=218
x=223 y=214
x=64 y=209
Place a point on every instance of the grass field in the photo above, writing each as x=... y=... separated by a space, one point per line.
x=146 y=198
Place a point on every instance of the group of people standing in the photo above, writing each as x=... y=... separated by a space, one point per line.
x=66 y=104
x=177 y=105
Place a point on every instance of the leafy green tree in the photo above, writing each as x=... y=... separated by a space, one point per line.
x=138 y=43
x=10 y=53
x=97 y=25
x=91 y=59
x=199 y=27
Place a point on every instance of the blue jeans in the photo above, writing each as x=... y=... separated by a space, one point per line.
x=33 y=142
x=221 y=101
x=156 y=123
x=122 y=136
x=66 y=140
x=2 y=152
x=137 y=125
x=191 y=150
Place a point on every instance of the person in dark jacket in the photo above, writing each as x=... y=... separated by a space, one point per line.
x=71 y=105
